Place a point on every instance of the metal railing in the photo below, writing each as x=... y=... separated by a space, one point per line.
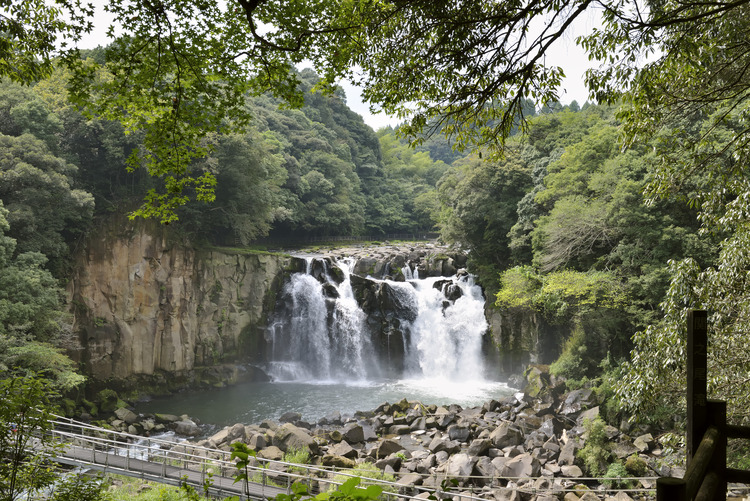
x=174 y=462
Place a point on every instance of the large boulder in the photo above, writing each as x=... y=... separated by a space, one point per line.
x=187 y=428
x=577 y=401
x=506 y=434
x=522 y=466
x=289 y=437
x=460 y=467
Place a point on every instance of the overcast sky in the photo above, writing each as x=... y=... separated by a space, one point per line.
x=564 y=53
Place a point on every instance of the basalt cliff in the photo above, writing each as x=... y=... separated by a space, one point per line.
x=154 y=313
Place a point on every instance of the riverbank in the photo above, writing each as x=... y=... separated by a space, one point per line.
x=517 y=447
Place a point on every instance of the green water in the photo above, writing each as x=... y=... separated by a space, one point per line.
x=250 y=403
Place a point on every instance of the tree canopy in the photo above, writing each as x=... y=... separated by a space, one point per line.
x=177 y=69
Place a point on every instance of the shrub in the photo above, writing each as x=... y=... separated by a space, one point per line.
x=595 y=453
x=369 y=470
x=615 y=476
x=636 y=466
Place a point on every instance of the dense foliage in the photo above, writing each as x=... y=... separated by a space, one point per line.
x=176 y=89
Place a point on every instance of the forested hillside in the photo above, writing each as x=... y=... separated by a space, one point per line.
x=560 y=224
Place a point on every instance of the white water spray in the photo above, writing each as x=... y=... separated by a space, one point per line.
x=327 y=337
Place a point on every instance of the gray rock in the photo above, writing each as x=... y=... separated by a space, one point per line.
x=624 y=449
x=590 y=414
x=572 y=471
x=522 y=466
x=568 y=453
x=460 y=467
x=410 y=480
x=166 y=418
x=343 y=449
x=506 y=434
x=337 y=461
x=644 y=443
x=187 y=428
x=353 y=433
x=459 y=433
x=126 y=415
x=236 y=432
x=272 y=453
x=440 y=444
x=484 y=467
x=578 y=400
x=289 y=437
x=257 y=441
x=290 y=417
x=479 y=447
x=388 y=447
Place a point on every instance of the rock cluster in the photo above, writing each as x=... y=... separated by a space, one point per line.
x=428 y=259
x=520 y=447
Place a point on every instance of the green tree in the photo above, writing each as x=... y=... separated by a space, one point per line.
x=480 y=201
x=44 y=209
x=25 y=439
x=31 y=317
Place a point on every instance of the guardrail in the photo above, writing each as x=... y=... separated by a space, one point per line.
x=707 y=474
x=174 y=462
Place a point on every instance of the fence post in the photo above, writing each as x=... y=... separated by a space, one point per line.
x=671 y=489
x=697 y=365
x=717 y=416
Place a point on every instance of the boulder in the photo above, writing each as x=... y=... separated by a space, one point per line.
x=388 y=447
x=337 y=461
x=644 y=443
x=353 y=433
x=576 y=401
x=460 y=467
x=289 y=437
x=568 y=453
x=459 y=433
x=126 y=415
x=410 y=480
x=187 y=428
x=522 y=466
x=256 y=441
x=441 y=444
x=506 y=434
x=236 y=432
x=343 y=449
x=272 y=453
x=572 y=471
x=479 y=447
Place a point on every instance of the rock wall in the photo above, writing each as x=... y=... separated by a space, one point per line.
x=523 y=337
x=148 y=309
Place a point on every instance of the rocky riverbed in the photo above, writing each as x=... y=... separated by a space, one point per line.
x=517 y=448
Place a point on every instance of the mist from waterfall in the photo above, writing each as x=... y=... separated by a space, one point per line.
x=323 y=335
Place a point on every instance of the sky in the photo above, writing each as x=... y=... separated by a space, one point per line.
x=564 y=53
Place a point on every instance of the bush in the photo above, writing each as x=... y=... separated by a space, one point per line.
x=369 y=470
x=595 y=453
x=297 y=456
x=80 y=488
x=636 y=466
x=615 y=477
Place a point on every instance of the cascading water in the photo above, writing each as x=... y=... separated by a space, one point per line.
x=322 y=338
x=419 y=329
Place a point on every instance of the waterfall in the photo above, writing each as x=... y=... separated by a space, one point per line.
x=418 y=329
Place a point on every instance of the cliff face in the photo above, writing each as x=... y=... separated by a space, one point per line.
x=145 y=308
x=523 y=337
